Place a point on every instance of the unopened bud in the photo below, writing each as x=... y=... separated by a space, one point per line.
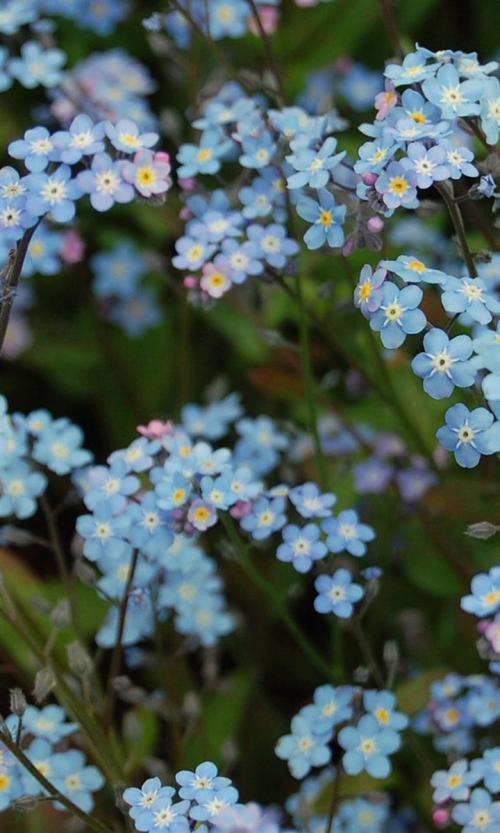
x=45 y=681
x=26 y=804
x=369 y=178
x=482 y=530
x=61 y=614
x=79 y=660
x=375 y=224
x=441 y=817
x=85 y=572
x=18 y=702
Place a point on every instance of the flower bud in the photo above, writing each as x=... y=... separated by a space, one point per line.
x=375 y=224
x=18 y=702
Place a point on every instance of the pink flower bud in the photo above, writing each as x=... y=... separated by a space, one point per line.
x=156 y=429
x=187 y=184
x=369 y=179
x=190 y=282
x=73 y=249
x=162 y=157
x=441 y=817
x=240 y=509
x=348 y=247
x=269 y=18
x=375 y=224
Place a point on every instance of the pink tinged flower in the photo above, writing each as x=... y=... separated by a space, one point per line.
x=269 y=18
x=215 y=280
x=385 y=101
x=369 y=179
x=241 y=508
x=156 y=429
x=187 y=184
x=201 y=515
x=73 y=250
x=492 y=634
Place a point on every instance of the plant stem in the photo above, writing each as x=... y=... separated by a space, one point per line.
x=391 y=26
x=335 y=797
x=458 y=225
x=57 y=549
x=116 y=657
x=10 y=280
x=91 y=823
x=277 y=604
x=271 y=58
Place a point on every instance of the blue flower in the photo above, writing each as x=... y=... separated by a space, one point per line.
x=381 y=705
x=301 y=546
x=412 y=70
x=205 y=778
x=453 y=783
x=368 y=294
x=162 y=814
x=37 y=149
x=204 y=158
x=58 y=446
x=471 y=296
x=257 y=198
x=150 y=526
x=487 y=769
x=55 y=193
x=20 y=486
x=368 y=746
x=412 y=270
x=346 y=533
x=272 y=243
x=74 y=779
x=257 y=151
x=266 y=517
x=104 y=183
x=398 y=315
x=490 y=110
x=337 y=594
x=458 y=160
x=310 y=502
x=397 y=186
x=313 y=166
x=37 y=65
x=228 y=19
x=144 y=799
x=126 y=136
x=104 y=533
x=118 y=271
x=193 y=252
x=454 y=98
x=334 y=706
x=48 y=722
x=469 y=434
x=43 y=255
x=428 y=164
x=303 y=749
x=373 y=156
x=212 y=803
x=444 y=363
x=83 y=138
x=485 y=597
x=327 y=218
x=480 y=813
x=243 y=259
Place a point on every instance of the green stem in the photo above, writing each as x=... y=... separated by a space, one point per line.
x=57 y=549
x=116 y=657
x=458 y=225
x=277 y=604
x=91 y=823
x=271 y=58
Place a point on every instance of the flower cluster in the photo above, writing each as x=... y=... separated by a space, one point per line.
x=365 y=724
x=119 y=286
x=43 y=733
x=458 y=797
x=28 y=443
x=205 y=796
x=55 y=180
